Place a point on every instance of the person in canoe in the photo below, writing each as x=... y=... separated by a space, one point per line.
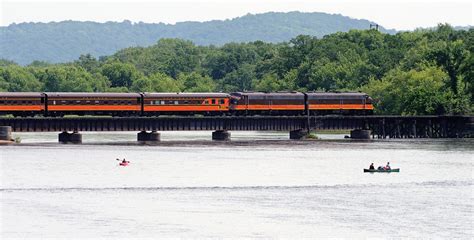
x=372 y=166
x=387 y=167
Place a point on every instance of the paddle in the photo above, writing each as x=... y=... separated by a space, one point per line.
x=121 y=160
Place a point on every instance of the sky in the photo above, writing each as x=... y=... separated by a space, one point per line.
x=392 y=14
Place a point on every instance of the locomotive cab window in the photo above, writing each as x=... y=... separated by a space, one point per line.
x=222 y=101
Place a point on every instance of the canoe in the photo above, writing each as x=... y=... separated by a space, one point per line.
x=123 y=164
x=376 y=170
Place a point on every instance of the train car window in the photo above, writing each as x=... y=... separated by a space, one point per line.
x=14 y=102
x=176 y=102
x=162 y=102
x=186 y=102
x=96 y=102
x=213 y=101
x=222 y=101
x=106 y=102
x=23 y=102
x=129 y=102
x=78 y=102
x=1 y=102
x=30 y=102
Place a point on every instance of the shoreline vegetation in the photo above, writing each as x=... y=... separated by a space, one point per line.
x=409 y=73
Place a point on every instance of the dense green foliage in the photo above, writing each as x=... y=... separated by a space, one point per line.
x=57 y=42
x=420 y=72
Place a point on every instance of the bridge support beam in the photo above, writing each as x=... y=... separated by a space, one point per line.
x=73 y=137
x=6 y=133
x=360 y=134
x=298 y=134
x=221 y=135
x=152 y=136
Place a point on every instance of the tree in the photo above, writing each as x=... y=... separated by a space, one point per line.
x=195 y=82
x=416 y=92
x=71 y=79
x=169 y=56
x=88 y=62
x=164 y=83
x=3 y=85
x=240 y=79
x=120 y=74
x=6 y=63
x=18 y=79
x=158 y=82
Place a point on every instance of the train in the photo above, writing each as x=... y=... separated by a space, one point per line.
x=57 y=104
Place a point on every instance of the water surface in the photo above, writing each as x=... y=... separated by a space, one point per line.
x=259 y=185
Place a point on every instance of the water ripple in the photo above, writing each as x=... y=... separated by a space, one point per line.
x=303 y=187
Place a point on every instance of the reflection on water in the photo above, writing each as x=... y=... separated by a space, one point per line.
x=258 y=185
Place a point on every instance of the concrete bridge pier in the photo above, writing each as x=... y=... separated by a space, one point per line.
x=360 y=134
x=221 y=135
x=73 y=137
x=298 y=134
x=6 y=133
x=152 y=136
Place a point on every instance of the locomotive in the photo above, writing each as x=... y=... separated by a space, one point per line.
x=208 y=104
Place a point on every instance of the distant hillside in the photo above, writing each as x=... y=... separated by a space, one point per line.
x=65 y=41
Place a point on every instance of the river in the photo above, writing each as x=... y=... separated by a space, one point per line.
x=258 y=185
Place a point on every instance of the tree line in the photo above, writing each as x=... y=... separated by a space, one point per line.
x=409 y=73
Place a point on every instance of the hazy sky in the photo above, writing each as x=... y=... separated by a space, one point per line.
x=398 y=14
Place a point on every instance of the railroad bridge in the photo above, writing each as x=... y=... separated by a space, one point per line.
x=363 y=127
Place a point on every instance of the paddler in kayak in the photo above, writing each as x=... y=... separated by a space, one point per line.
x=123 y=162
x=387 y=167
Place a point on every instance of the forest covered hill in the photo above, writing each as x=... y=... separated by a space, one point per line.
x=56 y=42
x=427 y=71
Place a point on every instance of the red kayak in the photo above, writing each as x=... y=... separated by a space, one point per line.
x=124 y=163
